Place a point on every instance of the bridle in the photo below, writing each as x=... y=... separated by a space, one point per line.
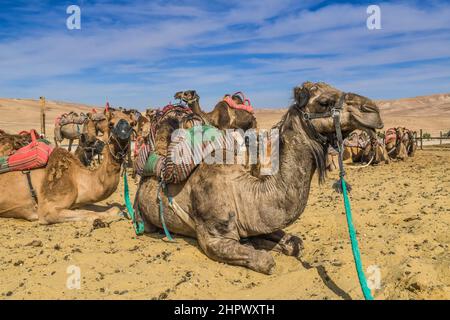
x=332 y=112
x=123 y=152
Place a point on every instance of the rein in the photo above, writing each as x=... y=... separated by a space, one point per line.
x=335 y=113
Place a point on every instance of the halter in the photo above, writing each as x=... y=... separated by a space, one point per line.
x=119 y=156
x=333 y=112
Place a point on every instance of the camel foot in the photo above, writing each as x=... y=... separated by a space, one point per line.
x=220 y=242
x=280 y=242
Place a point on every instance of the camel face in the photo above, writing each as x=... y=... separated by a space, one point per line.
x=357 y=112
x=122 y=129
x=187 y=96
x=120 y=124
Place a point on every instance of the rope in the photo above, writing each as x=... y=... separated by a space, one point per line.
x=138 y=225
x=161 y=210
x=348 y=211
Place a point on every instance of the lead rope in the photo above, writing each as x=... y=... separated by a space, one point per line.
x=137 y=224
x=348 y=210
x=162 y=186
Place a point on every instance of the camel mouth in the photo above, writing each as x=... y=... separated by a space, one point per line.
x=370 y=122
x=122 y=130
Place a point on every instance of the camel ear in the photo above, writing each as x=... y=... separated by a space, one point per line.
x=301 y=96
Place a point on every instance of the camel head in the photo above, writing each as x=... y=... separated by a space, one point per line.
x=357 y=112
x=89 y=148
x=187 y=96
x=120 y=125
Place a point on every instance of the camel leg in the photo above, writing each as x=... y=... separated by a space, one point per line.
x=70 y=144
x=66 y=215
x=278 y=241
x=220 y=241
x=56 y=142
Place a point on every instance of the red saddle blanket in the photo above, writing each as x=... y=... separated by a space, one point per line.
x=247 y=106
x=33 y=156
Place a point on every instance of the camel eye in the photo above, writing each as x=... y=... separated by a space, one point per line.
x=324 y=102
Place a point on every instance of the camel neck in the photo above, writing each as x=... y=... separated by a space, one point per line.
x=195 y=107
x=110 y=166
x=297 y=165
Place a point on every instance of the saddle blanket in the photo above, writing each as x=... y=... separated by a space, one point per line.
x=33 y=156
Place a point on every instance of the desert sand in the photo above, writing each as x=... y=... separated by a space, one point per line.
x=401 y=212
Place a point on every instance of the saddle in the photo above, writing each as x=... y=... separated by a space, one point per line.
x=34 y=155
x=71 y=118
x=97 y=117
x=356 y=141
x=246 y=105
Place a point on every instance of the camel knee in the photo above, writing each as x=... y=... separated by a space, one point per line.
x=232 y=252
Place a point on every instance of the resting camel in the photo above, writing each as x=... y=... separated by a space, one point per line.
x=409 y=140
x=13 y=142
x=222 y=117
x=375 y=152
x=88 y=148
x=64 y=185
x=354 y=147
x=395 y=145
x=217 y=204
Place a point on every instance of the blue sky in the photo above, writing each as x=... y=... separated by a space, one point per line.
x=139 y=53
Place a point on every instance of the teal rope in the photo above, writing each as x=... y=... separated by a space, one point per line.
x=138 y=225
x=161 y=211
x=356 y=255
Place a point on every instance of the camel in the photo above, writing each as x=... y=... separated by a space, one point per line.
x=69 y=126
x=217 y=203
x=409 y=140
x=222 y=117
x=375 y=152
x=64 y=185
x=12 y=142
x=354 y=147
x=394 y=144
x=88 y=148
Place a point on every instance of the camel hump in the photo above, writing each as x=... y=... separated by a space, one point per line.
x=238 y=101
x=59 y=162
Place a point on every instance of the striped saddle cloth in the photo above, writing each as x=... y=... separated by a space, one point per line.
x=33 y=156
x=185 y=153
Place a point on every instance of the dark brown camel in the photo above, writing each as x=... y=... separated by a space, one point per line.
x=222 y=116
x=216 y=205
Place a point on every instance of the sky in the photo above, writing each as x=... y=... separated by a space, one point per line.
x=139 y=53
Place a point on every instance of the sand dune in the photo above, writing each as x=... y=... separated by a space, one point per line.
x=430 y=113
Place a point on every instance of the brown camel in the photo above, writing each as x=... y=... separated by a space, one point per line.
x=64 y=185
x=375 y=152
x=395 y=145
x=69 y=126
x=354 y=147
x=216 y=204
x=222 y=117
x=12 y=142
x=88 y=148
x=409 y=140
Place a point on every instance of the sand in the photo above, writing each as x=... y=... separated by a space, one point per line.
x=401 y=212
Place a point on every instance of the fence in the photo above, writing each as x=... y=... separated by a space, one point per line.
x=420 y=139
